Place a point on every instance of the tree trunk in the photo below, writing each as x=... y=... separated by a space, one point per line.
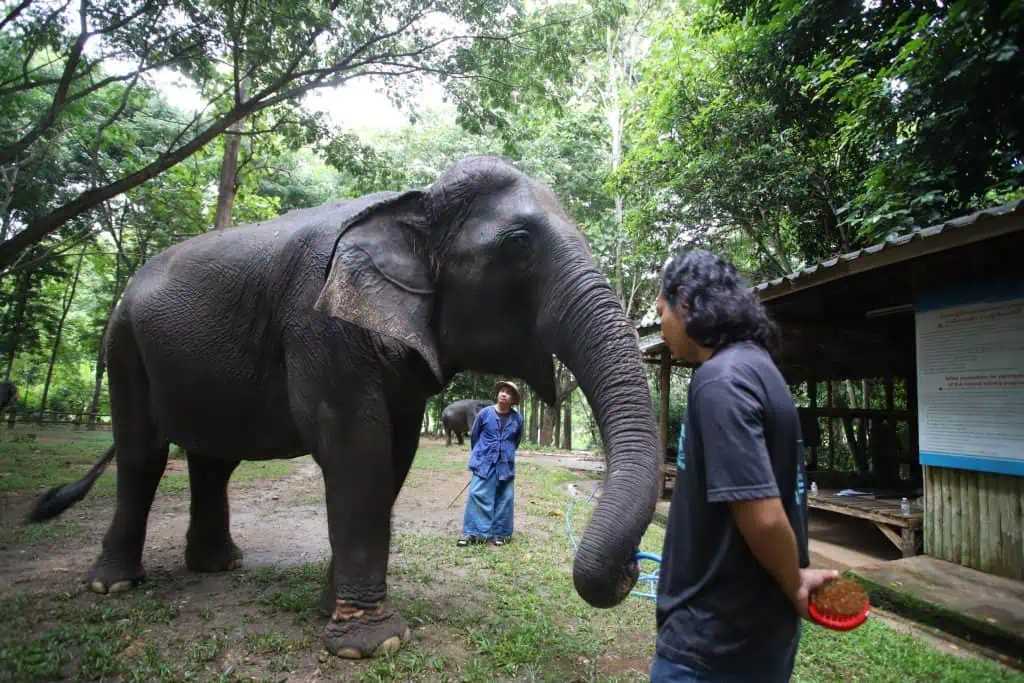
x=69 y=296
x=556 y=414
x=613 y=116
x=228 y=187
x=534 y=411
x=567 y=425
x=101 y=356
x=21 y=302
x=547 y=426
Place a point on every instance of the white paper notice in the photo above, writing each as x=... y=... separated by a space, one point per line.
x=970 y=374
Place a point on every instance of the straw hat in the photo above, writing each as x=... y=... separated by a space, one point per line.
x=511 y=387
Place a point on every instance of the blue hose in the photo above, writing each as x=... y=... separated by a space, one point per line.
x=651 y=579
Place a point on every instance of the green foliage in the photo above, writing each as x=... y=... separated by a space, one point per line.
x=926 y=97
x=57 y=76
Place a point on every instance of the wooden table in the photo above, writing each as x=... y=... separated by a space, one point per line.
x=903 y=530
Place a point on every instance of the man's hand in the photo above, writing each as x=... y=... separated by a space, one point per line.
x=810 y=579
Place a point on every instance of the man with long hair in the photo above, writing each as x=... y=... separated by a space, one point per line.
x=734 y=581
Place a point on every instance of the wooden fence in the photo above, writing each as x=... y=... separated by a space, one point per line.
x=974 y=519
x=53 y=417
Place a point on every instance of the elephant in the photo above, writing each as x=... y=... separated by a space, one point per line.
x=8 y=399
x=8 y=394
x=458 y=417
x=324 y=331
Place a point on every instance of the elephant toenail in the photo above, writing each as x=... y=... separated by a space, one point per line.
x=389 y=645
x=350 y=653
x=121 y=586
x=98 y=587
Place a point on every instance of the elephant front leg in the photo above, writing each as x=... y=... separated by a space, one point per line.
x=363 y=621
x=208 y=544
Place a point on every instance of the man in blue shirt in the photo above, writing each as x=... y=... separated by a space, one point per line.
x=496 y=434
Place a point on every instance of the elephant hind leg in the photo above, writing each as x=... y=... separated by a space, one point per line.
x=141 y=459
x=208 y=543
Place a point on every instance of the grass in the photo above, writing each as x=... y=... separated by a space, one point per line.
x=479 y=614
x=35 y=458
x=43 y=457
x=441 y=458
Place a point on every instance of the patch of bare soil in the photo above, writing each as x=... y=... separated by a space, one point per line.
x=279 y=524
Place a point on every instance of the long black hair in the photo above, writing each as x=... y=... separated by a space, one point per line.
x=721 y=308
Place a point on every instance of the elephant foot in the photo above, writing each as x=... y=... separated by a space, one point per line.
x=219 y=556
x=111 y=576
x=355 y=632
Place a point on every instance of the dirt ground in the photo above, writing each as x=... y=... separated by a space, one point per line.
x=279 y=524
x=282 y=522
x=479 y=614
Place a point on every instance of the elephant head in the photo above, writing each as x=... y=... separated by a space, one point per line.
x=483 y=270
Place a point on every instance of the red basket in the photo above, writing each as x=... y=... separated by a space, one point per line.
x=839 y=623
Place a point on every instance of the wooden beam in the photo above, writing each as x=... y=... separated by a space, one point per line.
x=666 y=385
x=812 y=397
x=868 y=413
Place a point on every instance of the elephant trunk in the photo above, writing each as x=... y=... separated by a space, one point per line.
x=595 y=339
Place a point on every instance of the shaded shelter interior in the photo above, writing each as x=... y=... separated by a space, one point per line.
x=853 y=319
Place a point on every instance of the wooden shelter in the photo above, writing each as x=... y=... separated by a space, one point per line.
x=940 y=313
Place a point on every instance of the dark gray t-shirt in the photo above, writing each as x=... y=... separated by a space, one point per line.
x=718 y=608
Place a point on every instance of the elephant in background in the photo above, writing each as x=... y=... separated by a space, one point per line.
x=8 y=398
x=350 y=315
x=458 y=417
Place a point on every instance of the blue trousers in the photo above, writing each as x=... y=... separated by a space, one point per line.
x=489 y=507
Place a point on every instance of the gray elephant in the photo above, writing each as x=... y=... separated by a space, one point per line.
x=349 y=316
x=8 y=394
x=458 y=417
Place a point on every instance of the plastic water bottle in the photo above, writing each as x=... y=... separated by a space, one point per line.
x=814 y=488
x=905 y=506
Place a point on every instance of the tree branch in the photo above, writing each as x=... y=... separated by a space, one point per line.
x=8 y=154
x=13 y=14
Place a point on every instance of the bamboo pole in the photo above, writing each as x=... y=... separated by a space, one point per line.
x=1010 y=526
x=966 y=535
x=940 y=510
x=928 y=520
x=952 y=549
x=984 y=525
x=994 y=537
x=974 y=558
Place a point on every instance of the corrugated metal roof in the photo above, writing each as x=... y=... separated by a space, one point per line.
x=650 y=343
x=890 y=243
x=897 y=241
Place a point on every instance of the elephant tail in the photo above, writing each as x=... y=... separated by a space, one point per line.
x=60 y=498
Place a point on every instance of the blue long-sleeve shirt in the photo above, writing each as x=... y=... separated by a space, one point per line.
x=494 y=446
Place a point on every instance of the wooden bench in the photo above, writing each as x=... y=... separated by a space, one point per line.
x=903 y=530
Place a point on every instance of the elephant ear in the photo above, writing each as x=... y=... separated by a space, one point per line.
x=379 y=274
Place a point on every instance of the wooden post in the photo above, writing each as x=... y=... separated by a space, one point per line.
x=665 y=385
x=812 y=396
x=831 y=427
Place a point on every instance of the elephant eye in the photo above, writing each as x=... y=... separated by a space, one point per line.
x=516 y=243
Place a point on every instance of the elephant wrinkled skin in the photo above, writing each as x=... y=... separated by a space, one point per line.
x=324 y=331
